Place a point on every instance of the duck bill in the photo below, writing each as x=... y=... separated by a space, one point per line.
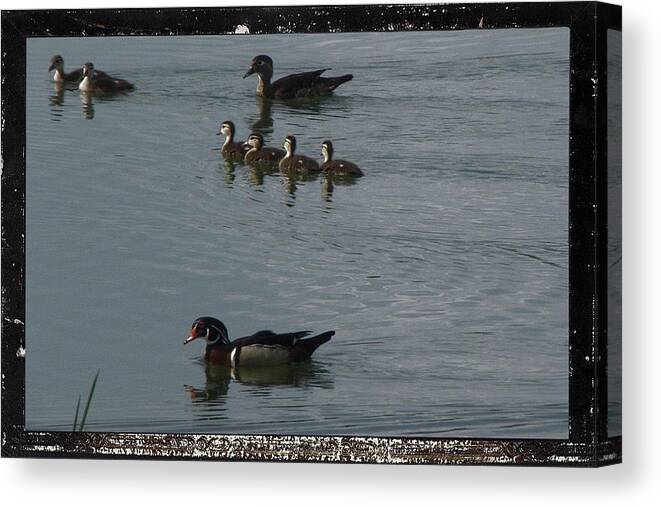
x=250 y=71
x=193 y=336
x=52 y=67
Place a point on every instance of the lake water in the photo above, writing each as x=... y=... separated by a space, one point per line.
x=443 y=270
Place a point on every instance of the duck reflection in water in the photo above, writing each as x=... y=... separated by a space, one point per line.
x=88 y=105
x=257 y=174
x=57 y=98
x=56 y=102
x=330 y=181
x=263 y=123
x=307 y=374
x=290 y=182
x=228 y=167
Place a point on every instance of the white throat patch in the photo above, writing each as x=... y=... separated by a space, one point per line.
x=86 y=84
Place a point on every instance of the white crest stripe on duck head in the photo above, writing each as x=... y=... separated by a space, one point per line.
x=202 y=328
x=221 y=336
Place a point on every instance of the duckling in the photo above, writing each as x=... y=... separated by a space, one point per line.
x=60 y=77
x=305 y=84
x=258 y=155
x=337 y=167
x=231 y=149
x=57 y=64
x=296 y=163
x=94 y=81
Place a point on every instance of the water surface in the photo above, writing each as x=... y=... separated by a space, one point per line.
x=443 y=270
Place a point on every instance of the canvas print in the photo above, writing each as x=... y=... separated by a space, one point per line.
x=299 y=234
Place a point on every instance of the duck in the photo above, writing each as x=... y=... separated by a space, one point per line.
x=259 y=155
x=231 y=150
x=75 y=76
x=296 y=163
x=93 y=81
x=305 y=84
x=337 y=167
x=261 y=349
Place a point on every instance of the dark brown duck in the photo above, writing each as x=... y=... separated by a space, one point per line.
x=232 y=150
x=93 y=81
x=305 y=84
x=337 y=167
x=260 y=155
x=296 y=163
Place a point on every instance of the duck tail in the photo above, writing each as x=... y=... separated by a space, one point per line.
x=304 y=348
x=334 y=82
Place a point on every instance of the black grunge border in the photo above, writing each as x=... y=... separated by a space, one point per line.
x=587 y=444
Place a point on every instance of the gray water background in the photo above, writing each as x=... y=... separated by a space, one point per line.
x=443 y=270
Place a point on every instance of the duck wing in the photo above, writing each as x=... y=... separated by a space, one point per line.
x=270 y=338
x=288 y=86
x=74 y=75
x=111 y=84
x=99 y=74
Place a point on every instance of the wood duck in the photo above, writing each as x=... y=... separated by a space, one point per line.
x=337 y=167
x=231 y=150
x=262 y=156
x=75 y=76
x=94 y=81
x=305 y=84
x=57 y=64
x=264 y=348
x=296 y=163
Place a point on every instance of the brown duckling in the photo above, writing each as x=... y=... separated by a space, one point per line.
x=57 y=64
x=296 y=163
x=94 y=81
x=305 y=84
x=337 y=167
x=262 y=156
x=231 y=150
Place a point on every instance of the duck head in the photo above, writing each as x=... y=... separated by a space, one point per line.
x=209 y=328
x=88 y=69
x=327 y=150
x=256 y=140
x=57 y=62
x=261 y=65
x=227 y=129
x=290 y=145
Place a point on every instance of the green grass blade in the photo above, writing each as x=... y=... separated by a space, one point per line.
x=75 y=419
x=89 y=401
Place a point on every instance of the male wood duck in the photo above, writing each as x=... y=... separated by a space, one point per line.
x=231 y=150
x=260 y=155
x=305 y=84
x=93 y=81
x=296 y=163
x=337 y=167
x=264 y=348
